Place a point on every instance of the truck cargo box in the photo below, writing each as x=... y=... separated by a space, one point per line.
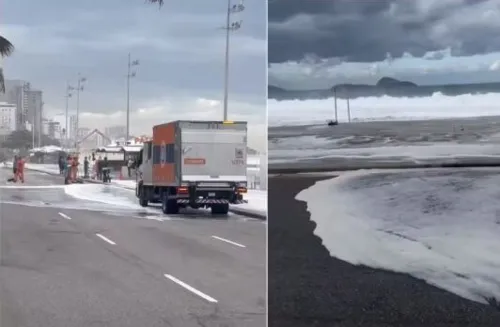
x=198 y=151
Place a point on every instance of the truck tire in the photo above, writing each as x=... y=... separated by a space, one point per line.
x=143 y=200
x=220 y=209
x=169 y=206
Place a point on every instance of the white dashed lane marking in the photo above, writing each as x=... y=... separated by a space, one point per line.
x=191 y=288
x=65 y=216
x=104 y=238
x=228 y=241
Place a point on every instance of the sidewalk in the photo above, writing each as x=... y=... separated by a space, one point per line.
x=255 y=208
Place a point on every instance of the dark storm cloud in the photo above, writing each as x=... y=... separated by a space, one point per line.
x=366 y=31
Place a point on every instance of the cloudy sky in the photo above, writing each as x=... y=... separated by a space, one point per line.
x=316 y=44
x=181 y=53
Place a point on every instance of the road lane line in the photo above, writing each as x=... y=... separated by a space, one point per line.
x=228 y=241
x=191 y=288
x=104 y=238
x=64 y=216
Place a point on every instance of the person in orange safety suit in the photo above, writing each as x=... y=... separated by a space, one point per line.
x=74 y=168
x=70 y=168
x=20 y=170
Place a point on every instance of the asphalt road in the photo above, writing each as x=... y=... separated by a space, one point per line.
x=64 y=265
x=308 y=287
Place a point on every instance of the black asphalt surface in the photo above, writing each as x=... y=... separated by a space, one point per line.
x=66 y=266
x=307 y=287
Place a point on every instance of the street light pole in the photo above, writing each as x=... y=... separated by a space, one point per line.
x=230 y=27
x=33 y=129
x=67 y=95
x=130 y=74
x=79 y=88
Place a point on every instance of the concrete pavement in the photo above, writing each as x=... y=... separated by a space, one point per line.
x=74 y=267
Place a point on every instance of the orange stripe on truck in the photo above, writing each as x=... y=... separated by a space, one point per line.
x=165 y=174
x=164 y=134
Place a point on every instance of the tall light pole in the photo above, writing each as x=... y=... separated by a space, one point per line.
x=79 y=87
x=67 y=95
x=230 y=27
x=40 y=125
x=130 y=74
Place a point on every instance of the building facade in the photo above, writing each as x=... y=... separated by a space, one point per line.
x=116 y=132
x=8 y=118
x=52 y=129
x=34 y=110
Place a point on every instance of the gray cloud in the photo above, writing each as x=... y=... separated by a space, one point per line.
x=180 y=48
x=366 y=31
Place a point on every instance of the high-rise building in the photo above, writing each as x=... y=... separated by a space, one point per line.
x=34 y=111
x=16 y=93
x=8 y=115
x=52 y=129
x=29 y=104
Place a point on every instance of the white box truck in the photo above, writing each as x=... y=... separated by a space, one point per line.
x=197 y=164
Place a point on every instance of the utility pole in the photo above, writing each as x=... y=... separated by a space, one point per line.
x=67 y=95
x=40 y=125
x=33 y=129
x=335 y=99
x=348 y=110
x=130 y=74
x=230 y=27
x=79 y=88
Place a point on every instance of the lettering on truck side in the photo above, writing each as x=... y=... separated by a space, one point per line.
x=194 y=161
x=238 y=162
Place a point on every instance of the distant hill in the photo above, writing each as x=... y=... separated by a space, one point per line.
x=385 y=86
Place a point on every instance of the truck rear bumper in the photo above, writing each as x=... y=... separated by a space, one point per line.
x=211 y=201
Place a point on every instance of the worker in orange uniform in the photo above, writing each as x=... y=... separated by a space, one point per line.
x=74 y=169
x=69 y=169
x=20 y=170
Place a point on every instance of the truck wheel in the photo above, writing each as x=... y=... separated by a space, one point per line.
x=220 y=209
x=143 y=200
x=169 y=206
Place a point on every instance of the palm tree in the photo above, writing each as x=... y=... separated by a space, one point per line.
x=6 y=49
x=159 y=2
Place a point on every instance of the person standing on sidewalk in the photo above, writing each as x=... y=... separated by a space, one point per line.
x=14 y=165
x=130 y=165
x=86 y=168
x=61 y=165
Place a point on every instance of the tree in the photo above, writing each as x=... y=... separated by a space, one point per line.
x=6 y=49
x=159 y=2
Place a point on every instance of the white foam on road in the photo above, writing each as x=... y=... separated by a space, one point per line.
x=435 y=225
x=305 y=112
x=105 y=194
x=415 y=153
x=31 y=187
